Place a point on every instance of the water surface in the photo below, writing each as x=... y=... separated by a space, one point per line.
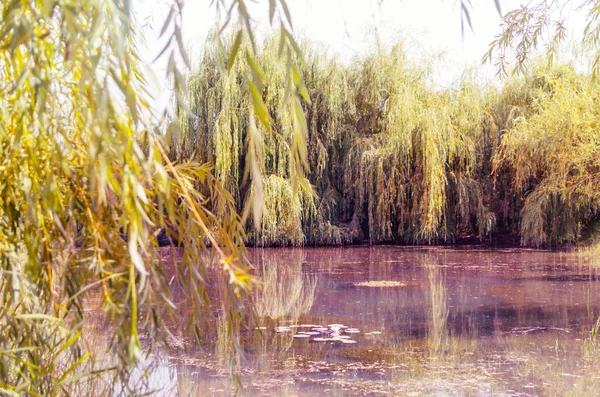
x=432 y=321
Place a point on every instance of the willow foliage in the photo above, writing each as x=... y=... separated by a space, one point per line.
x=554 y=157
x=85 y=189
x=392 y=158
x=419 y=152
x=224 y=131
x=389 y=157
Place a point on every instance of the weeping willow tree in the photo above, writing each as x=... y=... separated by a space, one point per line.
x=86 y=187
x=393 y=158
x=389 y=157
x=553 y=153
x=417 y=156
x=223 y=131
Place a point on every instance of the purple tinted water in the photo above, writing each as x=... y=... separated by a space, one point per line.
x=451 y=322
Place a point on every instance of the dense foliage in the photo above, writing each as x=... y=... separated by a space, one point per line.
x=88 y=185
x=393 y=158
x=553 y=153
x=86 y=188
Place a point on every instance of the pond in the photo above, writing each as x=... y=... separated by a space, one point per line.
x=425 y=321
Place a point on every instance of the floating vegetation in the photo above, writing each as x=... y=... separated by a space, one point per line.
x=527 y=330
x=331 y=333
x=382 y=284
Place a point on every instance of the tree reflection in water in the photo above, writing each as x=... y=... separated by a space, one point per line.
x=286 y=292
x=438 y=321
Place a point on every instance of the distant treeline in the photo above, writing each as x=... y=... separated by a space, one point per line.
x=393 y=158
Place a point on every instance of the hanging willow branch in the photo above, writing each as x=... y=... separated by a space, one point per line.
x=86 y=189
x=384 y=149
x=540 y=24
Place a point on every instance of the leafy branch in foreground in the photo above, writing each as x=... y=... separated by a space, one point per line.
x=85 y=190
x=543 y=23
x=243 y=52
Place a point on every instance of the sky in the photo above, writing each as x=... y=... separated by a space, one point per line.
x=345 y=28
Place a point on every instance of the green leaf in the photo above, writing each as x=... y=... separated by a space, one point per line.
x=286 y=10
x=9 y=392
x=63 y=379
x=234 y=49
x=182 y=49
x=36 y=316
x=47 y=7
x=258 y=76
x=272 y=4
x=246 y=19
x=259 y=107
x=167 y=22
x=466 y=15
x=300 y=84
x=68 y=343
